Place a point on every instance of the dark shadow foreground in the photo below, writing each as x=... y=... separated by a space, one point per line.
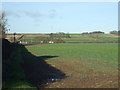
x=20 y=67
x=37 y=71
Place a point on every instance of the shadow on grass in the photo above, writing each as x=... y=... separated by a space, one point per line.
x=22 y=69
x=46 y=57
x=37 y=71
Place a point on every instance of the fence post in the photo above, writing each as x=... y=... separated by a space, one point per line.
x=14 y=37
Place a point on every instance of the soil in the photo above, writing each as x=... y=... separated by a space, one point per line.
x=87 y=78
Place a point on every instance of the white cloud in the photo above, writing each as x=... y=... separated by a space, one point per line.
x=33 y=14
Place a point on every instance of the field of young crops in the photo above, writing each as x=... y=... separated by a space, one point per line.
x=85 y=65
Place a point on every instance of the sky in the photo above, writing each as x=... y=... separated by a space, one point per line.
x=67 y=17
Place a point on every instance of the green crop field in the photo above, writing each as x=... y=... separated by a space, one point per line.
x=73 y=59
x=103 y=53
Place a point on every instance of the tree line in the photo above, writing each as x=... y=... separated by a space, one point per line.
x=100 y=32
x=59 y=35
x=115 y=32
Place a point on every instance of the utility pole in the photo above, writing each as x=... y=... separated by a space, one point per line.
x=14 y=38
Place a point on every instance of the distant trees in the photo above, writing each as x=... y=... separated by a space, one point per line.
x=59 y=35
x=3 y=25
x=97 y=32
x=115 y=32
x=94 y=32
x=85 y=33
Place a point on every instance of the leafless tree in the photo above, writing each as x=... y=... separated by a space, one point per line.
x=3 y=24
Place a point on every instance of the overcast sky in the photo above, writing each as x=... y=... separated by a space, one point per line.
x=68 y=17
